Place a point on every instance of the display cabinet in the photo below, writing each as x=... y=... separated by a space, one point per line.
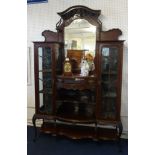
x=110 y=66
x=87 y=102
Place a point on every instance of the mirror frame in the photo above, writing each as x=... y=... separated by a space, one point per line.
x=79 y=12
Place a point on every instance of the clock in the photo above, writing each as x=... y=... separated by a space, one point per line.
x=67 y=67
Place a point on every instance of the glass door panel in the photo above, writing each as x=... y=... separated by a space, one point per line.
x=109 y=68
x=45 y=79
x=109 y=108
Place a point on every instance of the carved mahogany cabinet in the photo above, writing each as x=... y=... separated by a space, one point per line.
x=79 y=106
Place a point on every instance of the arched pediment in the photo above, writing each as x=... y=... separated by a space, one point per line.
x=78 y=12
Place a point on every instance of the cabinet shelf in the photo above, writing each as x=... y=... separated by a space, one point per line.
x=76 y=82
x=109 y=95
x=109 y=81
x=109 y=73
x=45 y=70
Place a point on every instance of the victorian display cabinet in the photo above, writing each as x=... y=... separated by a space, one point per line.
x=78 y=76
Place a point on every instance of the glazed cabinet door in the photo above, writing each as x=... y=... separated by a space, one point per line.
x=45 y=55
x=110 y=77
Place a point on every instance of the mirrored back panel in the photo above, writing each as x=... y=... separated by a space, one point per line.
x=80 y=40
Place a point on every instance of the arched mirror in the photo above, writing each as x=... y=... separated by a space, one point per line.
x=80 y=41
x=80 y=35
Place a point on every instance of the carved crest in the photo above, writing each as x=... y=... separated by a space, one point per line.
x=78 y=12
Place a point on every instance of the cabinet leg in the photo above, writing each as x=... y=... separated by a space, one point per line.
x=96 y=134
x=120 y=128
x=119 y=132
x=35 y=128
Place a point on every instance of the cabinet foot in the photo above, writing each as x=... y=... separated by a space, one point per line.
x=119 y=132
x=35 y=128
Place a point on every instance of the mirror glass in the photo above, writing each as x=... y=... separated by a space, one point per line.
x=80 y=40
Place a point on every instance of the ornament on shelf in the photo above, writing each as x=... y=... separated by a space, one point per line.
x=84 y=68
x=67 y=67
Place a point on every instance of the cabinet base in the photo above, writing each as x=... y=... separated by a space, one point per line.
x=79 y=131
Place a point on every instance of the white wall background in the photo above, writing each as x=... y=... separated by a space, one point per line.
x=43 y=16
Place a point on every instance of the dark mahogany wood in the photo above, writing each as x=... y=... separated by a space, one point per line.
x=79 y=132
x=77 y=12
x=81 y=106
x=110 y=35
x=50 y=36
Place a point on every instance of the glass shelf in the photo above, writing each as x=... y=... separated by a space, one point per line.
x=45 y=70
x=109 y=95
x=109 y=73
x=110 y=82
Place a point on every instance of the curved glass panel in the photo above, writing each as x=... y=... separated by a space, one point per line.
x=45 y=79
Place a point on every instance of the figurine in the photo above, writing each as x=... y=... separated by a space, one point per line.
x=84 y=68
x=90 y=60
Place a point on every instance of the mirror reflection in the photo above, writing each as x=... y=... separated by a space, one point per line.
x=80 y=41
